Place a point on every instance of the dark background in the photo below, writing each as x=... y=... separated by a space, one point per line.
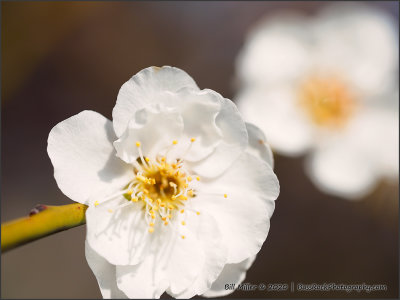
x=61 y=58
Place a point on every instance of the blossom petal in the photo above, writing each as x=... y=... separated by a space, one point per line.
x=206 y=230
x=277 y=114
x=258 y=144
x=155 y=128
x=145 y=280
x=231 y=274
x=243 y=217
x=350 y=164
x=117 y=231
x=105 y=274
x=233 y=141
x=143 y=89
x=277 y=50
x=81 y=151
x=358 y=42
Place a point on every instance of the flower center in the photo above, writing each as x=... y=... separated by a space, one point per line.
x=327 y=101
x=162 y=187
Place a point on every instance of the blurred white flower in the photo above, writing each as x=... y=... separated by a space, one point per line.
x=180 y=190
x=328 y=86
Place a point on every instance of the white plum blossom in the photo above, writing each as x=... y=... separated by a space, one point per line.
x=180 y=190
x=327 y=86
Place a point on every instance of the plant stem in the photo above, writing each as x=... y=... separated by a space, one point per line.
x=43 y=221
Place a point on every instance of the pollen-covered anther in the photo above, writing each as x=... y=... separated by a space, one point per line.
x=174 y=142
x=138 y=144
x=151 y=229
x=225 y=195
x=192 y=140
x=183 y=223
x=96 y=203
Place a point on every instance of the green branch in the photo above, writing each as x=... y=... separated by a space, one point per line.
x=42 y=221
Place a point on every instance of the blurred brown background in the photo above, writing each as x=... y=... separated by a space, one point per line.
x=61 y=58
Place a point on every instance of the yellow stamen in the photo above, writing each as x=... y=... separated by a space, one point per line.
x=147 y=159
x=96 y=203
x=190 y=193
x=192 y=140
x=182 y=211
x=183 y=237
x=151 y=224
x=109 y=210
x=174 y=142
x=166 y=223
x=189 y=178
x=198 y=213
x=138 y=144
x=198 y=178
x=183 y=223
x=129 y=192
x=225 y=195
x=151 y=229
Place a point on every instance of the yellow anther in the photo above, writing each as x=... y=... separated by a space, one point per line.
x=151 y=224
x=173 y=165
x=109 y=210
x=192 y=140
x=185 y=185
x=134 y=199
x=183 y=223
x=197 y=213
x=183 y=237
x=170 y=207
x=182 y=211
x=153 y=217
x=147 y=159
x=169 y=216
x=162 y=204
x=96 y=203
x=163 y=159
x=138 y=144
x=183 y=197
x=225 y=195
x=146 y=191
x=174 y=142
x=198 y=178
x=190 y=193
x=189 y=178
x=173 y=197
x=129 y=192
x=166 y=223
x=141 y=178
x=151 y=229
x=163 y=218
x=159 y=201
x=153 y=181
x=155 y=208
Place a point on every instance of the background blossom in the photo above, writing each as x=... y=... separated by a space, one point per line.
x=327 y=85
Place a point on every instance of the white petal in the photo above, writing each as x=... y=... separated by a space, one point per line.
x=342 y=171
x=358 y=42
x=276 y=112
x=105 y=274
x=145 y=280
x=81 y=151
x=276 y=50
x=233 y=142
x=207 y=232
x=143 y=89
x=231 y=274
x=258 y=144
x=120 y=235
x=243 y=217
x=215 y=123
x=349 y=164
x=155 y=128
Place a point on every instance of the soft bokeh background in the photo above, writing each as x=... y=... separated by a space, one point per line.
x=61 y=58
